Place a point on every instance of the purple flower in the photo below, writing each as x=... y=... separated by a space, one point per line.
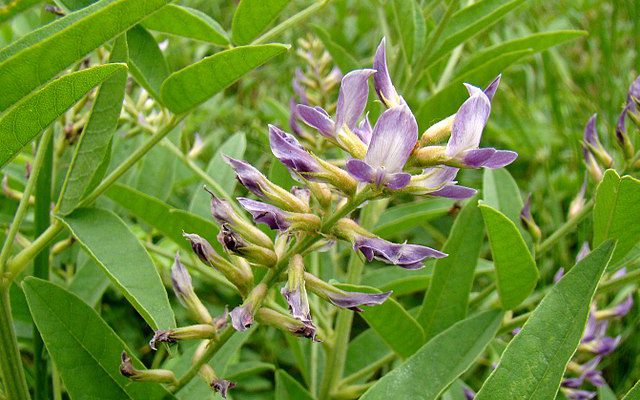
x=287 y=149
x=466 y=133
x=584 y=251
x=439 y=182
x=382 y=80
x=592 y=146
x=573 y=394
x=392 y=141
x=352 y=100
x=222 y=386
x=364 y=130
x=468 y=393
x=341 y=298
x=408 y=256
x=241 y=318
x=294 y=291
x=181 y=280
x=248 y=175
x=264 y=213
x=622 y=309
x=201 y=247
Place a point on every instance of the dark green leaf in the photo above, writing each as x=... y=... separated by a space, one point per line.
x=500 y=191
x=616 y=211
x=288 y=388
x=401 y=281
x=86 y=351
x=146 y=62
x=363 y=350
x=187 y=22
x=445 y=303
x=89 y=283
x=403 y=217
x=439 y=362
x=196 y=83
x=112 y=245
x=516 y=271
x=156 y=173
x=254 y=16
x=21 y=123
x=550 y=336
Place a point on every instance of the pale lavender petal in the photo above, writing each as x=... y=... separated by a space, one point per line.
x=591 y=132
x=469 y=122
x=491 y=88
x=476 y=158
x=623 y=308
x=500 y=159
x=298 y=89
x=454 y=192
x=558 y=275
x=621 y=125
x=381 y=79
x=317 y=120
x=364 y=130
x=573 y=383
x=361 y=171
x=182 y=286
x=293 y=118
x=595 y=377
x=393 y=139
x=468 y=393
x=408 y=256
x=397 y=181
x=287 y=149
x=582 y=253
x=222 y=386
x=352 y=300
x=352 y=99
x=606 y=345
x=248 y=175
x=634 y=92
x=265 y=213
x=580 y=394
x=241 y=318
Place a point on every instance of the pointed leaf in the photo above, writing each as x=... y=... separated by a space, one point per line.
x=287 y=388
x=254 y=16
x=439 y=362
x=86 y=351
x=634 y=393
x=615 y=211
x=404 y=14
x=549 y=338
x=516 y=271
x=196 y=83
x=39 y=56
x=187 y=22
x=400 y=218
x=93 y=147
x=146 y=62
x=446 y=301
x=20 y=124
x=114 y=247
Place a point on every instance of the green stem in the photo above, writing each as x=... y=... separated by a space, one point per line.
x=42 y=221
x=366 y=371
x=15 y=385
x=291 y=22
x=21 y=260
x=565 y=229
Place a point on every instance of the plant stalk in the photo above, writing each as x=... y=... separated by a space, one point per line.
x=565 y=229
x=291 y=22
x=15 y=384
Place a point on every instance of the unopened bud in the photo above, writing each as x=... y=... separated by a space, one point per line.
x=183 y=289
x=236 y=244
x=287 y=323
x=430 y=156
x=437 y=132
x=577 y=204
x=342 y=298
x=193 y=332
x=348 y=229
x=220 y=386
x=527 y=220
x=145 y=375
x=322 y=193
x=242 y=316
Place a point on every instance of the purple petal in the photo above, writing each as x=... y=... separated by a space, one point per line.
x=573 y=383
x=287 y=149
x=352 y=300
x=222 y=386
x=241 y=318
x=364 y=130
x=317 y=120
x=634 y=92
x=580 y=394
x=298 y=89
x=361 y=171
x=469 y=122
x=393 y=139
x=454 y=192
x=501 y=158
x=397 y=181
x=381 y=79
x=623 y=308
x=352 y=99
x=476 y=158
x=248 y=175
x=558 y=275
x=591 y=132
x=606 y=345
x=182 y=286
x=468 y=393
x=621 y=128
x=298 y=304
x=408 y=256
x=595 y=377
x=264 y=213
x=583 y=252
x=490 y=90
x=293 y=118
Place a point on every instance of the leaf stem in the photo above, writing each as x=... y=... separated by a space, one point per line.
x=565 y=229
x=291 y=21
x=15 y=385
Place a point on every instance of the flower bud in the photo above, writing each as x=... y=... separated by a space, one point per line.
x=145 y=375
x=295 y=293
x=527 y=220
x=577 y=204
x=236 y=244
x=430 y=156
x=192 y=332
x=220 y=386
x=437 y=132
x=342 y=298
x=621 y=135
x=242 y=316
x=287 y=323
x=183 y=290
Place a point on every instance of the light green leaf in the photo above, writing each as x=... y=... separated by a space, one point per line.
x=246 y=369
x=156 y=173
x=536 y=42
x=86 y=351
x=445 y=303
x=605 y=393
x=146 y=61
x=287 y=388
x=616 y=211
x=12 y=9
x=549 y=338
x=401 y=218
x=89 y=283
x=401 y=281
x=39 y=56
x=500 y=191
x=254 y=16
x=363 y=350
x=404 y=14
x=187 y=22
x=439 y=362
x=112 y=245
x=170 y=221
x=92 y=151
x=472 y=20
x=196 y=83
x=21 y=123
x=222 y=173
x=516 y=271
x=445 y=102
x=634 y=393
x=343 y=59
x=392 y=322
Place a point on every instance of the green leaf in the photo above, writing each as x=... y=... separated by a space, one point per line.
x=146 y=61
x=254 y=16
x=21 y=123
x=401 y=218
x=363 y=350
x=343 y=59
x=10 y=10
x=89 y=283
x=605 y=393
x=536 y=42
x=634 y=393
x=445 y=303
x=170 y=221
x=39 y=56
x=280 y=175
x=187 y=22
x=549 y=338
x=112 y=245
x=287 y=388
x=445 y=102
x=92 y=152
x=86 y=351
x=439 y=362
x=616 y=211
x=472 y=20
x=516 y=271
x=246 y=369
x=404 y=13
x=196 y=83
x=500 y=191
x=392 y=322
x=156 y=173
x=401 y=281
x=222 y=173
